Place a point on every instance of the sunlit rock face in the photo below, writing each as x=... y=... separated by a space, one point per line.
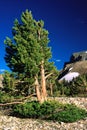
x=79 y=56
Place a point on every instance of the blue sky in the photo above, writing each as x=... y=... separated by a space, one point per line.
x=66 y=21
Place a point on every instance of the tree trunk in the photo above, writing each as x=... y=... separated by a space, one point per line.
x=37 y=87
x=43 y=83
x=51 y=89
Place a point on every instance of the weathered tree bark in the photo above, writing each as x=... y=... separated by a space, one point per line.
x=51 y=89
x=43 y=83
x=41 y=94
x=37 y=87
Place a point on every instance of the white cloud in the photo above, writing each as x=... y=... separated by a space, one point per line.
x=2 y=70
x=58 y=60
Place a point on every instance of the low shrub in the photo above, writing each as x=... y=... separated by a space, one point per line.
x=34 y=109
x=31 y=109
x=50 y=111
x=70 y=113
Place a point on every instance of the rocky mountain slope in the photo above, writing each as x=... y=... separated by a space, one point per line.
x=77 y=64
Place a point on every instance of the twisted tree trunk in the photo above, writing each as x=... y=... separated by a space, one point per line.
x=37 y=87
x=43 y=83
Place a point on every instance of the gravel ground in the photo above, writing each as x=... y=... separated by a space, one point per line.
x=13 y=123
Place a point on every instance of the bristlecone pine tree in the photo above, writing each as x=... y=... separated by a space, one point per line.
x=28 y=53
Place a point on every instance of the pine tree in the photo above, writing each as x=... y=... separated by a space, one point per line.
x=8 y=82
x=27 y=53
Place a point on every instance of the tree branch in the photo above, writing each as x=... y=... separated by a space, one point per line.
x=17 y=101
x=48 y=75
x=10 y=103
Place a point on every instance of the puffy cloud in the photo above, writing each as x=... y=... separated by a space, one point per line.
x=58 y=60
x=2 y=70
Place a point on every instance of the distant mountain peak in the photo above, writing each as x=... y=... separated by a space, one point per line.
x=77 y=64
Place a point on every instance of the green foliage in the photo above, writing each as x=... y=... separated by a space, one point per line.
x=31 y=110
x=52 y=83
x=76 y=87
x=8 y=82
x=61 y=89
x=70 y=113
x=34 y=109
x=50 y=111
x=26 y=50
x=28 y=47
x=4 y=98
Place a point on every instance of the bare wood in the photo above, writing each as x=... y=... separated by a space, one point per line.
x=37 y=87
x=43 y=83
x=18 y=101
x=10 y=103
x=48 y=75
x=21 y=99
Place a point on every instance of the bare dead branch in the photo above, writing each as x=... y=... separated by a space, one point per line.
x=48 y=75
x=17 y=101
x=10 y=103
